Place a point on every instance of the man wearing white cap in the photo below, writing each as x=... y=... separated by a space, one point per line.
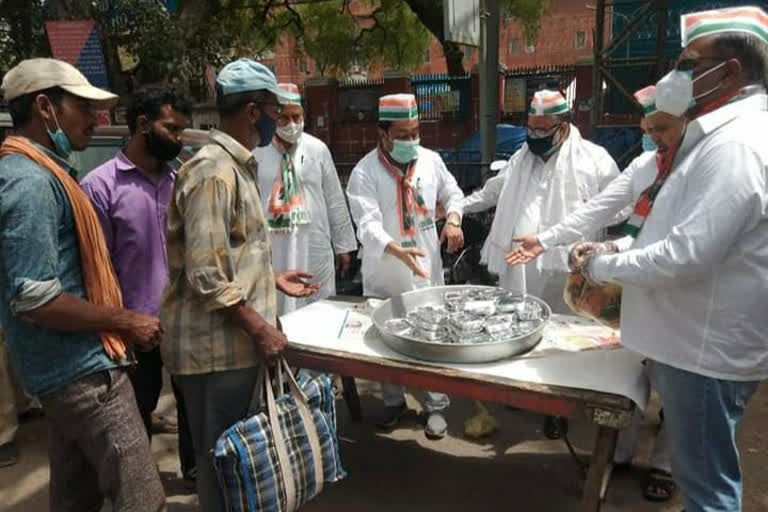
x=67 y=334
x=663 y=132
x=393 y=194
x=304 y=204
x=551 y=176
x=219 y=308
x=693 y=293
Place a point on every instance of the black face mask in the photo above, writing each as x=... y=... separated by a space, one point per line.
x=160 y=147
x=266 y=126
x=541 y=146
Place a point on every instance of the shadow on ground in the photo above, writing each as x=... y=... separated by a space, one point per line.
x=516 y=469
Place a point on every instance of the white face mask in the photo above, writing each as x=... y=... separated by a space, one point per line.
x=291 y=132
x=674 y=92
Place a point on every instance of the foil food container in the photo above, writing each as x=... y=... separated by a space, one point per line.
x=446 y=339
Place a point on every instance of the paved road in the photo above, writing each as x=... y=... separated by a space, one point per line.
x=517 y=469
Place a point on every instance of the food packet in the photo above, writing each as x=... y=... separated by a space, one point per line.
x=599 y=302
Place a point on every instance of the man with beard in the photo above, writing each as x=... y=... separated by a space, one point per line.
x=130 y=194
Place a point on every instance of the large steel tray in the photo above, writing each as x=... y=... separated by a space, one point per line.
x=397 y=307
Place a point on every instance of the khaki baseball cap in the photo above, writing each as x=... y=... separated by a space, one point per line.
x=34 y=75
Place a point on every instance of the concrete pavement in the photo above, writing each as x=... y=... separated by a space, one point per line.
x=516 y=469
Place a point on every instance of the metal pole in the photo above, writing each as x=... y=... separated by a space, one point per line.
x=489 y=80
x=661 y=37
x=597 y=63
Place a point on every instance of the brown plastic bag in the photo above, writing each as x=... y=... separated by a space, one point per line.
x=599 y=302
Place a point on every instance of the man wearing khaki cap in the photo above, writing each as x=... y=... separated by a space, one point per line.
x=68 y=336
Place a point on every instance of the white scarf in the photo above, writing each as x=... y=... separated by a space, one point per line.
x=565 y=190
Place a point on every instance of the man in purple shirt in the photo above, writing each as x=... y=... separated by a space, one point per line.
x=130 y=194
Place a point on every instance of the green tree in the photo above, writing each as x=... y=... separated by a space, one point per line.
x=327 y=35
x=430 y=13
x=21 y=31
x=177 y=46
x=397 y=39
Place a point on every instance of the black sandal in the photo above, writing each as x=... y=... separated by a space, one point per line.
x=659 y=486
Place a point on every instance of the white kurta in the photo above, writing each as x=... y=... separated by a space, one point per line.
x=311 y=247
x=532 y=195
x=694 y=281
x=613 y=203
x=372 y=193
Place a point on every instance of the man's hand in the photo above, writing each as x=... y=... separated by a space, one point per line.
x=454 y=235
x=582 y=252
x=270 y=340
x=142 y=331
x=409 y=257
x=294 y=284
x=342 y=263
x=530 y=248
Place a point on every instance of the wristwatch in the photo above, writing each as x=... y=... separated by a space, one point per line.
x=453 y=223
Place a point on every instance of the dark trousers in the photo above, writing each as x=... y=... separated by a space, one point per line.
x=215 y=402
x=98 y=449
x=147 y=380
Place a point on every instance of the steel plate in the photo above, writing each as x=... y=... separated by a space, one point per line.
x=397 y=307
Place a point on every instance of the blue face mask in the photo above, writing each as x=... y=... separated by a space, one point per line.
x=266 y=126
x=404 y=151
x=648 y=144
x=61 y=145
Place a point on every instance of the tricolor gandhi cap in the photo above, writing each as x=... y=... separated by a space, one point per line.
x=748 y=20
x=647 y=99
x=293 y=95
x=246 y=75
x=33 y=75
x=548 y=103
x=398 y=107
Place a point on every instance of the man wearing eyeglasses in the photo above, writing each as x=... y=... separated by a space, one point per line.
x=693 y=281
x=219 y=308
x=551 y=176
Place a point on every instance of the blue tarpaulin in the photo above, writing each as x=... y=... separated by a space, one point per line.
x=509 y=138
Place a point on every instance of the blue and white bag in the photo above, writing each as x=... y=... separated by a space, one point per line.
x=279 y=459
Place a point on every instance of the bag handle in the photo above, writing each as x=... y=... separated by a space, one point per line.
x=302 y=406
x=282 y=454
x=305 y=414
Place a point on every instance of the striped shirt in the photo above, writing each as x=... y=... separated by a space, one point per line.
x=219 y=255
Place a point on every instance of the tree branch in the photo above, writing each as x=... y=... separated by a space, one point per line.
x=366 y=30
x=296 y=16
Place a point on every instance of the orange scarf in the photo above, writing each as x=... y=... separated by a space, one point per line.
x=410 y=204
x=101 y=286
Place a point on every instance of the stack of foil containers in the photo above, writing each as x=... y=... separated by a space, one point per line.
x=480 y=315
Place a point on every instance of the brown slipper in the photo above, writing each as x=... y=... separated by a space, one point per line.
x=659 y=486
x=164 y=425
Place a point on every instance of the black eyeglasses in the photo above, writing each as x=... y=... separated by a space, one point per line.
x=690 y=63
x=277 y=106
